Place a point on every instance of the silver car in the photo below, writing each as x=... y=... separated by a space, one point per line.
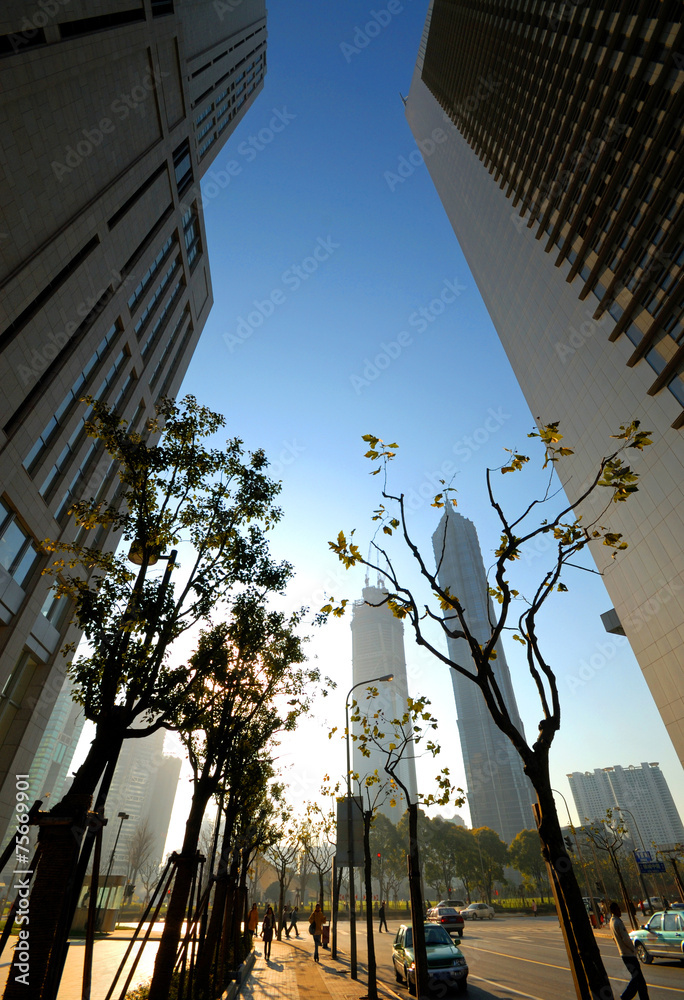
x=478 y=911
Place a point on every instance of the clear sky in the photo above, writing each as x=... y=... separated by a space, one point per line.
x=321 y=264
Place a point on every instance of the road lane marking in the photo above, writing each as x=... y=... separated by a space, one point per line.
x=500 y=986
x=563 y=968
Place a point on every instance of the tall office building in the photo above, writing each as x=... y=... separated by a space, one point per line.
x=650 y=813
x=111 y=115
x=144 y=788
x=552 y=132
x=377 y=650
x=500 y=796
x=56 y=749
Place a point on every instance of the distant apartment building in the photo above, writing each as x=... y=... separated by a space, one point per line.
x=499 y=794
x=55 y=752
x=650 y=814
x=378 y=650
x=111 y=115
x=553 y=135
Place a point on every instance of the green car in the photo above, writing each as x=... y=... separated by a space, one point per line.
x=446 y=964
x=661 y=937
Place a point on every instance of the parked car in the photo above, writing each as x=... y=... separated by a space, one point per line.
x=446 y=964
x=661 y=937
x=478 y=911
x=458 y=903
x=449 y=917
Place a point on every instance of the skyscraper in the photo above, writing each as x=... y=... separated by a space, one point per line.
x=650 y=813
x=378 y=649
x=144 y=787
x=499 y=794
x=552 y=132
x=111 y=115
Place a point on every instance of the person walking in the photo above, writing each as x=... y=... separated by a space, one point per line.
x=252 y=923
x=267 y=928
x=286 y=920
x=534 y=908
x=294 y=916
x=637 y=983
x=316 y=921
x=381 y=914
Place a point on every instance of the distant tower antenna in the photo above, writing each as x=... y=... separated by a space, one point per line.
x=403 y=99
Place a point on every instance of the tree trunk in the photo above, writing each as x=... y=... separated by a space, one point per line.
x=417 y=908
x=370 y=942
x=591 y=980
x=321 y=889
x=58 y=877
x=175 y=914
x=282 y=874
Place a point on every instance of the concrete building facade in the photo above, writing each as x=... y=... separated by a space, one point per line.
x=650 y=814
x=111 y=115
x=499 y=794
x=377 y=650
x=552 y=133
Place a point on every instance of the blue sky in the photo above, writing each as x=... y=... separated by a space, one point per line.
x=325 y=263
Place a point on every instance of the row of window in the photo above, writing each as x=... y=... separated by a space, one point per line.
x=48 y=433
x=142 y=286
x=76 y=438
x=158 y=292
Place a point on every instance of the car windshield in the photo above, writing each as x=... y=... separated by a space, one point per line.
x=445 y=909
x=436 y=935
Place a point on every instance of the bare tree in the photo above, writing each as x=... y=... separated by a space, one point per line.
x=447 y=613
x=140 y=848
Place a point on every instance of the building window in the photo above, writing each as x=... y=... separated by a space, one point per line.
x=14 y=691
x=149 y=274
x=55 y=608
x=159 y=291
x=191 y=236
x=182 y=165
x=73 y=396
x=18 y=552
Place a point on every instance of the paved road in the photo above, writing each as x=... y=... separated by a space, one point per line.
x=517 y=957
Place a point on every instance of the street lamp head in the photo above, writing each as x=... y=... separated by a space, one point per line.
x=386 y=677
x=123 y=815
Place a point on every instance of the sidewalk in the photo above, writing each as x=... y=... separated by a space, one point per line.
x=292 y=974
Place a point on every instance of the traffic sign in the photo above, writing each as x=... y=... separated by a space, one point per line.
x=647 y=865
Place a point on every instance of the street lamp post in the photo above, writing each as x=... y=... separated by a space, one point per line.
x=587 y=883
x=646 y=899
x=350 y=826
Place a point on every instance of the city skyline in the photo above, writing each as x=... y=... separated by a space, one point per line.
x=367 y=342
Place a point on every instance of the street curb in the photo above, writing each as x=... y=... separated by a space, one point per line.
x=243 y=975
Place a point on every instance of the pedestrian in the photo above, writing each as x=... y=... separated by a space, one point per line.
x=316 y=921
x=637 y=983
x=286 y=920
x=534 y=907
x=294 y=916
x=604 y=914
x=382 y=918
x=267 y=928
x=252 y=923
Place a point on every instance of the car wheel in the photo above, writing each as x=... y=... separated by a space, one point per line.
x=462 y=985
x=491 y=916
x=397 y=976
x=644 y=957
x=409 y=985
